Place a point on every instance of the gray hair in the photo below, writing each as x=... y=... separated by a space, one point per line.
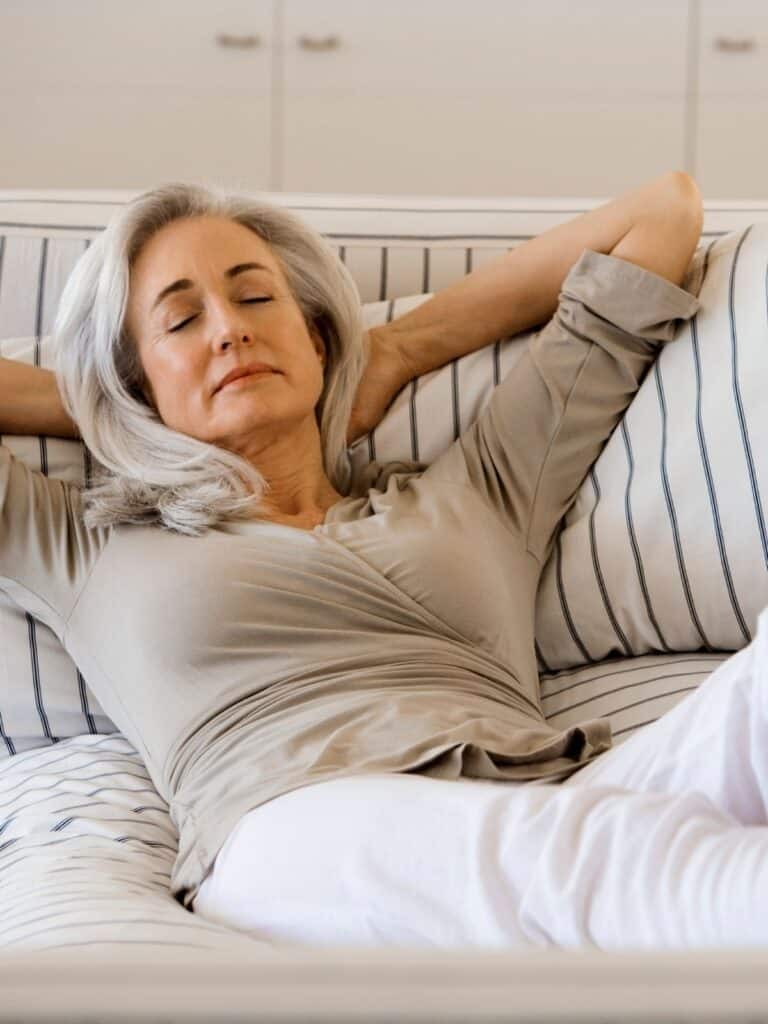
x=148 y=472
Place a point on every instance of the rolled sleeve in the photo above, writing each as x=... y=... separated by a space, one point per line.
x=549 y=418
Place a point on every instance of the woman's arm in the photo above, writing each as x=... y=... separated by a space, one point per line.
x=30 y=402
x=520 y=290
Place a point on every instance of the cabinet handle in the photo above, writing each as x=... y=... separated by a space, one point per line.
x=735 y=45
x=241 y=42
x=310 y=43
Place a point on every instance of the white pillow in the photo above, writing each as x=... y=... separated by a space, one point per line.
x=666 y=545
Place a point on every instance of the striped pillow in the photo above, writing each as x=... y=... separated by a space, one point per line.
x=666 y=546
x=84 y=864
x=43 y=695
x=629 y=692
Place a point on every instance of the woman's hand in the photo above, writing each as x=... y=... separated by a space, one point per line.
x=385 y=375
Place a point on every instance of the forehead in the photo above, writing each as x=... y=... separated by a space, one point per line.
x=196 y=248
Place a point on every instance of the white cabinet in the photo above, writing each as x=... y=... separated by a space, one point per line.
x=125 y=95
x=530 y=97
x=436 y=97
x=732 y=116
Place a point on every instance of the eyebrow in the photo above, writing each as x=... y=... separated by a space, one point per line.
x=184 y=282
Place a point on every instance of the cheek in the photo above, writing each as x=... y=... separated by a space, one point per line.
x=174 y=381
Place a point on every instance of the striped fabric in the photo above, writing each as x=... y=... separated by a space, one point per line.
x=630 y=692
x=666 y=546
x=86 y=851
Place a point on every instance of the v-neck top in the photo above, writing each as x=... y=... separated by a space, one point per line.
x=397 y=635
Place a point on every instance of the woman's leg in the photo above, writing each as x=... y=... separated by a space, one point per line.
x=406 y=860
x=714 y=742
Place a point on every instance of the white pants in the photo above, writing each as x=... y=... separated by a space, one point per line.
x=661 y=842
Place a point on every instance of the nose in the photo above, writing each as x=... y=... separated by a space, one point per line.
x=232 y=339
x=230 y=330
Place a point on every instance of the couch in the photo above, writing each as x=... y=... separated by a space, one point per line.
x=658 y=574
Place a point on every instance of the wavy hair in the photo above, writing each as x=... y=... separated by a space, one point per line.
x=147 y=472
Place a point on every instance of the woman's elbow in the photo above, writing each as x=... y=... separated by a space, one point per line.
x=687 y=196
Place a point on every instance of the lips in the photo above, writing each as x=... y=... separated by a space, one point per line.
x=242 y=371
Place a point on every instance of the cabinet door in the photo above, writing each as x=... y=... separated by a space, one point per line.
x=493 y=97
x=732 y=154
x=108 y=95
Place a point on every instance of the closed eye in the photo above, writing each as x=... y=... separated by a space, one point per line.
x=178 y=327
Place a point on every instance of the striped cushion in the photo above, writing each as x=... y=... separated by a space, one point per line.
x=43 y=695
x=86 y=851
x=629 y=692
x=666 y=545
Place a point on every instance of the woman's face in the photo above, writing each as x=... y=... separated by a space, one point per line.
x=196 y=312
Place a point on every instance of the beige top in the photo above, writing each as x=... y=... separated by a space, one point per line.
x=396 y=636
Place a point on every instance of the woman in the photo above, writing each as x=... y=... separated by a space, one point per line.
x=333 y=682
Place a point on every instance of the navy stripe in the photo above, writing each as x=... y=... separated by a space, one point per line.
x=40 y=295
x=43 y=446
x=383 y=274
x=455 y=398
x=740 y=407
x=34 y=664
x=627 y=686
x=49 y=791
x=717 y=661
x=10 y=746
x=713 y=503
x=42 y=442
x=53 y=792
x=639 y=703
x=564 y=603
x=84 y=705
x=107 y=737
x=599 y=573
x=60 y=826
x=633 y=539
x=414 y=424
x=648 y=721
x=152 y=844
x=123 y=769
x=671 y=510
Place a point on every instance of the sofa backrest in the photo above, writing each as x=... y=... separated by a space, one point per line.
x=392 y=246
